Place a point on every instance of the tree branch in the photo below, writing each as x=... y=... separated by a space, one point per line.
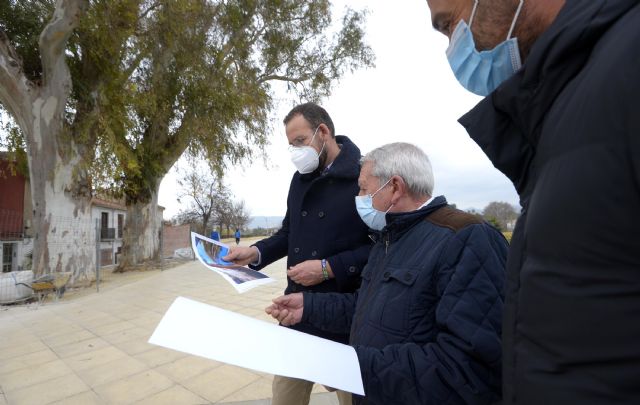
x=53 y=42
x=14 y=85
x=282 y=78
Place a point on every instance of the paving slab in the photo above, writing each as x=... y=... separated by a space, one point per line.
x=91 y=348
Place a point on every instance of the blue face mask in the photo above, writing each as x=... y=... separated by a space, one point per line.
x=482 y=72
x=372 y=217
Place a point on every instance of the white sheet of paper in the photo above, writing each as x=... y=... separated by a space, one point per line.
x=217 y=334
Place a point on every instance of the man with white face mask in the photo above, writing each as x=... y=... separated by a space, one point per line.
x=322 y=236
x=565 y=129
x=426 y=321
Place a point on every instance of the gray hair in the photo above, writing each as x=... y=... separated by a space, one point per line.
x=404 y=160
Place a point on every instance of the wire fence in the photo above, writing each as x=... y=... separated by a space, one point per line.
x=87 y=246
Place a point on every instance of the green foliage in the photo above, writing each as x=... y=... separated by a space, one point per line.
x=153 y=79
x=12 y=141
x=23 y=21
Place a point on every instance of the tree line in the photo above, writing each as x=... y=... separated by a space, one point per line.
x=208 y=204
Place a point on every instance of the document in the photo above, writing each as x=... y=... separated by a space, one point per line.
x=210 y=253
x=207 y=331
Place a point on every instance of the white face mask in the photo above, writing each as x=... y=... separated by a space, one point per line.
x=305 y=158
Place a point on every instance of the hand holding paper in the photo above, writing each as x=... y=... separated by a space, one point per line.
x=213 y=255
x=242 y=255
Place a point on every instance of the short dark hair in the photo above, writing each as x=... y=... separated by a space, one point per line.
x=314 y=114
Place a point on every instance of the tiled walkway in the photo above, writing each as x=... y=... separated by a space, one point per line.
x=91 y=348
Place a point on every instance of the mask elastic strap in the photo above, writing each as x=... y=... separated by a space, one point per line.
x=321 y=149
x=473 y=13
x=314 y=135
x=381 y=187
x=515 y=19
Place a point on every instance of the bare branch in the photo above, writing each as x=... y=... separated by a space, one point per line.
x=14 y=85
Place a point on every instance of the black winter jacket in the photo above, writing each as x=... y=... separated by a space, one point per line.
x=322 y=223
x=426 y=322
x=566 y=131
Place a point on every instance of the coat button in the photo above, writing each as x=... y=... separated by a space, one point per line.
x=386 y=274
x=314 y=253
x=321 y=214
x=352 y=269
x=303 y=213
x=296 y=250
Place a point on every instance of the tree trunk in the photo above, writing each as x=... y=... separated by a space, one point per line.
x=65 y=235
x=142 y=229
x=65 y=238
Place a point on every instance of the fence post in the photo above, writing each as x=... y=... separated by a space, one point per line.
x=97 y=255
x=193 y=254
x=161 y=247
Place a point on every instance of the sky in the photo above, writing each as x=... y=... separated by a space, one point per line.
x=410 y=96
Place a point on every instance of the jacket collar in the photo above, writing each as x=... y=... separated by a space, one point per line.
x=507 y=124
x=400 y=222
x=346 y=165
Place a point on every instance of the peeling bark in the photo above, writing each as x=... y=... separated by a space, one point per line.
x=64 y=235
x=141 y=233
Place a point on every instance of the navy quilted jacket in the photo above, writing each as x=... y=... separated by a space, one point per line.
x=426 y=321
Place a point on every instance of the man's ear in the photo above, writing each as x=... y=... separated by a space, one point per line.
x=324 y=132
x=399 y=188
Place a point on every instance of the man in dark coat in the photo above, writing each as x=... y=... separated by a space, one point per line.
x=566 y=130
x=426 y=321
x=322 y=236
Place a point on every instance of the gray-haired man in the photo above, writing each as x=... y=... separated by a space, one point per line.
x=426 y=321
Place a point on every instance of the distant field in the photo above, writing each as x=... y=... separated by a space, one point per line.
x=508 y=235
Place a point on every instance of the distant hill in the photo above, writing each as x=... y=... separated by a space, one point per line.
x=265 y=222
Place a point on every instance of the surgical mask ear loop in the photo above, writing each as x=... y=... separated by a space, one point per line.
x=381 y=187
x=515 y=19
x=473 y=13
x=376 y=192
x=513 y=22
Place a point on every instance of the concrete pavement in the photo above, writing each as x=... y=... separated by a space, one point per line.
x=91 y=348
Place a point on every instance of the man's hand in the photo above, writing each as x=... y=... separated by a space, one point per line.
x=287 y=309
x=307 y=273
x=242 y=255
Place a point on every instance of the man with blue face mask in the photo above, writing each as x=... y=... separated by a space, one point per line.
x=565 y=129
x=426 y=321
x=322 y=236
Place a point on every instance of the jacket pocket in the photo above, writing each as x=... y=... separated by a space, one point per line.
x=394 y=298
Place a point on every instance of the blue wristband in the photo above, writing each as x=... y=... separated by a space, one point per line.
x=325 y=273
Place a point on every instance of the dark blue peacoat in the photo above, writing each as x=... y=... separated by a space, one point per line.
x=322 y=223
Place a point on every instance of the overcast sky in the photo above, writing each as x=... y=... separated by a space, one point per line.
x=410 y=96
